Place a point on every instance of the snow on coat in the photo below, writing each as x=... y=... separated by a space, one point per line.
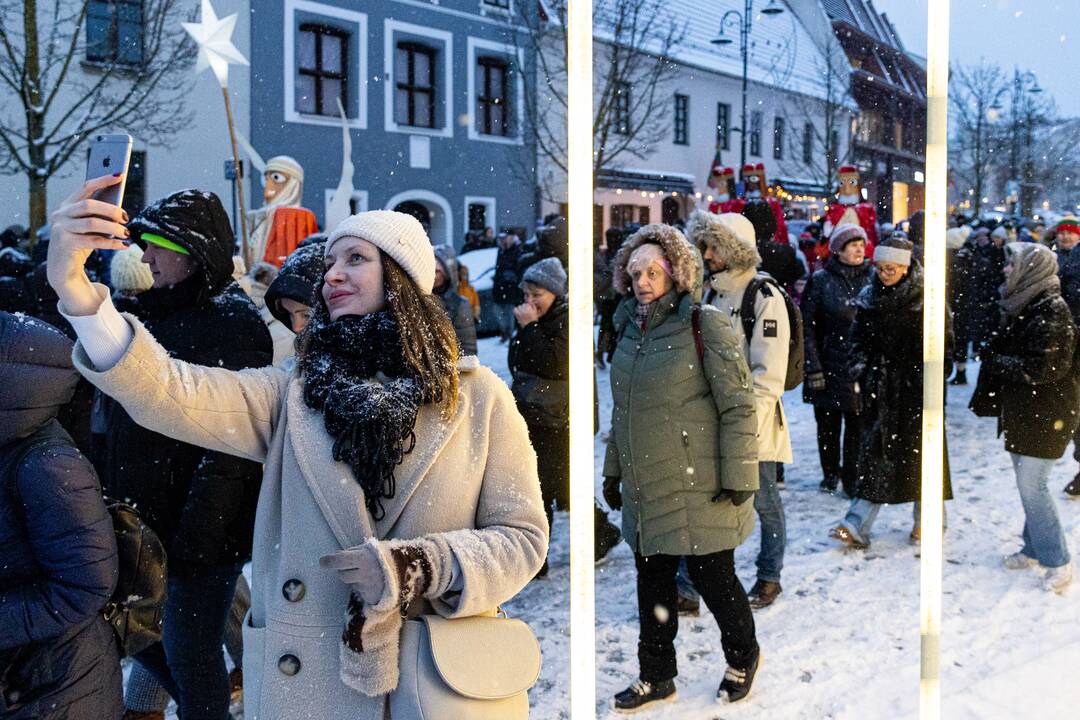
x=470 y=484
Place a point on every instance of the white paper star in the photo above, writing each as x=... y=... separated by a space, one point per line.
x=213 y=37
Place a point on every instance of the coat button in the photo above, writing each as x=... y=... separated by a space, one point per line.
x=289 y=665
x=293 y=590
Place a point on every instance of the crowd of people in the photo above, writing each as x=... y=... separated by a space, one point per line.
x=328 y=422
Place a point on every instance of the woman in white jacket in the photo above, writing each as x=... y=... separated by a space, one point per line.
x=399 y=479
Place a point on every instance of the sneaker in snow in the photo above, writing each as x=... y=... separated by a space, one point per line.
x=1058 y=579
x=1073 y=488
x=737 y=682
x=1018 y=561
x=642 y=694
x=844 y=535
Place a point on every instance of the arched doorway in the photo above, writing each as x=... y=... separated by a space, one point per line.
x=670 y=212
x=418 y=211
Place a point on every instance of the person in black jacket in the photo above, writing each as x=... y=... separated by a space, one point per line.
x=1030 y=381
x=58 y=562
x=604 y=295
x=457 y=307
x=539 y=363
x=777 y=258
x=505 y=290
x=1066 y=238
x=201 y=504
x=828 y=308
x=985 y=276
x=887 y=364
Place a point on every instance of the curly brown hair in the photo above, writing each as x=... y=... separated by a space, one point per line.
x=427 y=335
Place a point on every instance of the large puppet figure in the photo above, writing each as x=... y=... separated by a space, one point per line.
x=758 y=189
x=726 y=199
x=280 y=225
x=850 y=208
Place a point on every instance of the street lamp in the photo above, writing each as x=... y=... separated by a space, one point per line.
x=744 y=22
x=1024 y=83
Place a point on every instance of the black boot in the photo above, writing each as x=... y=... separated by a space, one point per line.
x=960 y=378
x=1073 y=488
x=737 y=682
x=642 y=694
x=828 y=485
x=764 y=593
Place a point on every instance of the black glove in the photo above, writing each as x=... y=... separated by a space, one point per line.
x=613 y=492
x=815 y=381
x=738 y=497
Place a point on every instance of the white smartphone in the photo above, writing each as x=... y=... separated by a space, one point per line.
x=109 y=155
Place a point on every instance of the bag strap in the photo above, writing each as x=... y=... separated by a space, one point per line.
x=695 y=325
x=747 y=311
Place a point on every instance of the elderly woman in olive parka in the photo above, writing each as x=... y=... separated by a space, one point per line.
x=683 y=452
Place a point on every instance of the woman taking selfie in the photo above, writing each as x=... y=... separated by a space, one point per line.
x=407 y=472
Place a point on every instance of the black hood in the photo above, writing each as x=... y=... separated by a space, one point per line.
x=196 y=221
x=296 y=280
x=36 y=375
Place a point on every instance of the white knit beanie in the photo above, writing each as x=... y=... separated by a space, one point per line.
x=399 y=235
x=128 y=272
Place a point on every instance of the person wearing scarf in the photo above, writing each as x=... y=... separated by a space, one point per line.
x=1029 y=380
x=396 y=475
x=887 y=369
x=682 y=460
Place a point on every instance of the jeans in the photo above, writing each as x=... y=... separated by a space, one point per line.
x=770 y=512
x=862 y=514
x=714 y=576
x=828 y=436
x=188 y=662
x=143 y=693
x=1044 y=539
x=504 y=316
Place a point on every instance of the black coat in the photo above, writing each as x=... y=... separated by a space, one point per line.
x=828 y=308
x=780 y=261
x=887 y=357
x=985 y=276
x=1030 y=365
x=504 y=288
x=58 y=564
x=200 y=503
x=539 y=363
x=1070 y=281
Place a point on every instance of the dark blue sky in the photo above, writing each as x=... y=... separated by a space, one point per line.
x=1040 y=35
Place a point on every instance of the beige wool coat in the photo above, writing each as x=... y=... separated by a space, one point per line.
x=470 y=485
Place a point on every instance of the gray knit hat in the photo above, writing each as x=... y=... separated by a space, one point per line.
x=844 y=233
x=548 y=274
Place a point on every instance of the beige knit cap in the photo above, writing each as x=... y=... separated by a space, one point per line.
x=128 y=272
x=399 y=235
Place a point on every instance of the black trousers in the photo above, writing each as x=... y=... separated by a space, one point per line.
x=828 y=435
x=714 y=578
x=552 y=445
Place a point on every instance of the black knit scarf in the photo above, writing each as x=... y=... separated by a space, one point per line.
x=354 y=372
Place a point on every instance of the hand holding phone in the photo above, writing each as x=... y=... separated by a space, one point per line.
x=109 y=156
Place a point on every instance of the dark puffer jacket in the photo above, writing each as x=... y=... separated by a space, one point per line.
x=200 y=503
x=887 y=357
x=1030 y=366
x=457 y=307
x=1070 y=281
x=828 y=309
x=538 y=359
x=58 y=565
x=296 y=280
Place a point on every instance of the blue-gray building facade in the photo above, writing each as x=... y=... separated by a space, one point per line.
x=435 y=100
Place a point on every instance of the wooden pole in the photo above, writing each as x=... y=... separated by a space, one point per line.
x=245 y=242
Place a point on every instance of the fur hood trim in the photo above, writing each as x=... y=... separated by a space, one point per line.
x=687 y=269
x=708 y=230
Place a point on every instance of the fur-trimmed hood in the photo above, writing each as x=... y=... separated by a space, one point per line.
x=687 y=269
x=738 y=251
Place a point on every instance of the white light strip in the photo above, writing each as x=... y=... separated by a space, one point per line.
x=933 y=424
x=580 y=198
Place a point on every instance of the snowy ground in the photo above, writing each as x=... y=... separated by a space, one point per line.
x=843 y=640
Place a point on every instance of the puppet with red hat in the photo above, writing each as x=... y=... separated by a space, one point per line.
x=722 y=182
x=758 y=189
x=850 y=208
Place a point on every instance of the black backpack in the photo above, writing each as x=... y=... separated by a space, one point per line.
x=134 y=610
x=796 y=360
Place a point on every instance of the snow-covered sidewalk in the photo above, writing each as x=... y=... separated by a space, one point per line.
x=843 y=639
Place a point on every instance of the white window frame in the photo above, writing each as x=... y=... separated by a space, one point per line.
x=487 y=9
x=447 y=38
x=489 y=203
x=360 y=196
x=472 y=45
x=434 y=199
x=292 y=7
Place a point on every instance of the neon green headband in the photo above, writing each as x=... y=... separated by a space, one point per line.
x=165 y=243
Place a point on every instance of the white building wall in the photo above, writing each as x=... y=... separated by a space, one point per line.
x=197 y=154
